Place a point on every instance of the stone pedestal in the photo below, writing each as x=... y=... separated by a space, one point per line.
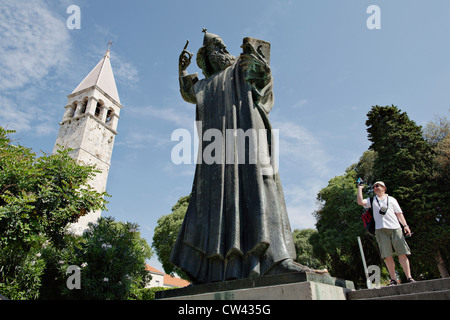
x=289 y=286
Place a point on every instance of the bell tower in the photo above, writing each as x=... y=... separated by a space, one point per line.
x=89 y=127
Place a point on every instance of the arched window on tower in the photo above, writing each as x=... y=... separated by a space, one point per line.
x=98 y=109
x=84 y=105
x=109 y=116
x=73 y=109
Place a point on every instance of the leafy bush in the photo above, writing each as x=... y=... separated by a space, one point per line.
x=111 y=257
x=149 y=293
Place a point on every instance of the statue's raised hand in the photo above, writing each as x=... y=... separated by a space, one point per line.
x=185 y=59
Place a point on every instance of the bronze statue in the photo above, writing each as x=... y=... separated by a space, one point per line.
x=236 y=225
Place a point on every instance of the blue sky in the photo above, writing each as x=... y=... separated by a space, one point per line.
x=328 y=69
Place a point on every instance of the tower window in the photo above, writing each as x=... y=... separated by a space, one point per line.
x=109 y=115
x=73 y=109
x=98 y=110
x=83 y=106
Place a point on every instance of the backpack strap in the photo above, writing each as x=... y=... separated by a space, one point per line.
x=371 y=209
x=371 y=203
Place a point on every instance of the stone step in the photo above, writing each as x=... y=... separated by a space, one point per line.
x=431 y=295
x=423 y=290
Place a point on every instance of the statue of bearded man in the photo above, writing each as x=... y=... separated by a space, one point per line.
x=236 y=225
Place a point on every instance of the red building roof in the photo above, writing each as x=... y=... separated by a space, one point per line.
x=168 y=280
x=175 y=282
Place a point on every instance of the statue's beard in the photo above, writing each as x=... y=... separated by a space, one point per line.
x=221 y=59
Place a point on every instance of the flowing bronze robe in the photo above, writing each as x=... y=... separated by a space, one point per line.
x=236 y=224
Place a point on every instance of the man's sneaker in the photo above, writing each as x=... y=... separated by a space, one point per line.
x=393 y=283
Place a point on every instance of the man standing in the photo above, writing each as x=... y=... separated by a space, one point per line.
x=236 y=225
x=388 y=216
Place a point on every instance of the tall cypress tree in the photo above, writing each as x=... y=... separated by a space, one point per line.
x=404 y=157
x=404 y=162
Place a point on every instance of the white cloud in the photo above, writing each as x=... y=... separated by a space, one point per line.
x=301 y=202
x=300 y=103
x=139 y=140
x=34 y=48
x=177 y=117
x=33 y=41
x=299 y=146
x=13 y=117
x=182 y=170
x=266 y=20
x=124 y=71
x=301 y=217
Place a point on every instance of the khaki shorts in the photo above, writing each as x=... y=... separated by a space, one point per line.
x=388 y=238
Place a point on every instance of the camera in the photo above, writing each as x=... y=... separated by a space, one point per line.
x=383 y=210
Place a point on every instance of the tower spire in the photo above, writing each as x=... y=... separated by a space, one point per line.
x=101 y=76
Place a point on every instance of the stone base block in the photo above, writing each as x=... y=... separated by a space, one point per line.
x=291 y=286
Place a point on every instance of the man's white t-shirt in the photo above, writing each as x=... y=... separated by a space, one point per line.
x=389 y=220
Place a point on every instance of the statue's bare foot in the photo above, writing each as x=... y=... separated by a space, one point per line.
x=289 y=265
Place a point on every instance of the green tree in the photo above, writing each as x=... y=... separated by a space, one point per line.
x=166 y=232
x=304 y=248
x=39 y=197
x=437 y=131
x=112 y=258
x=365 y=166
